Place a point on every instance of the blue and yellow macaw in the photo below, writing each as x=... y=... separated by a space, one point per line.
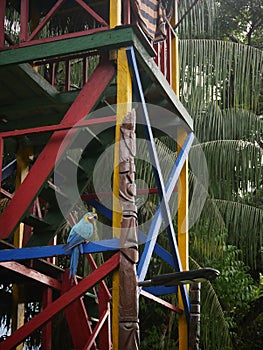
x=80 y=233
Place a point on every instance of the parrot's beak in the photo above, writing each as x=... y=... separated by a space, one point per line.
x=93 y=216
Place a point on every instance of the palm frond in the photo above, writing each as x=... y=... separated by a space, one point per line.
x=200 y=21
x=234 y=166
x=227 y=73
x=228 y=124
x=244 y=224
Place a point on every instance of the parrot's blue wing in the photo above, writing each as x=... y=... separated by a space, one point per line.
x=73 y=240
x=79 y=233
x=84 y=229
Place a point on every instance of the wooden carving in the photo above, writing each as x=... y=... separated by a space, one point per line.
x=128 y=302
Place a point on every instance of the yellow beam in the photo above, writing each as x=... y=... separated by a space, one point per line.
x=182 y=194
x=183 y=244
x=115 y=13
x=23 y=157
x=124 y=104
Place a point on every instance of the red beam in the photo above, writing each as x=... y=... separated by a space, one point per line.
x=1 y=160
x=46 y=19
x=127 y=12
x=94 y=266
x=91 y=12
x=2 y=23
x=24 y=20
x=70 y=57
x=61 y=303
x=104 y=297
x=44 y=164
x=58 y=127
x=32 y=274
x=76 y=314
x=109 y=194
x=46 y=334
x=161 y=302
x=67 y=75
x=60 y=37
x=6 y=194
x=97 y=329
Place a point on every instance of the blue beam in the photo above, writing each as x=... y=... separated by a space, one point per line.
x=158 y=249
x=9 y=169
x=49 y=251
x=157 y=220
x=164 y=210
x=161 y=290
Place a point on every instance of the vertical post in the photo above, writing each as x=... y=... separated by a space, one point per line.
x=2 y=23
x=1 y=160
x=182 y=192
x=174 y=53
x=128 y=302
x=85 y=70
x=46 y=343
x=67 y=77
x=115 y=13
x=127 y=11
x=124 y=100
x=24 y=156
x=24 y=20
x=194 y=329
x=183 y=237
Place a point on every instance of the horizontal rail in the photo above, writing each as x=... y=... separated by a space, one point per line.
x=58 y=127
x=57 y=250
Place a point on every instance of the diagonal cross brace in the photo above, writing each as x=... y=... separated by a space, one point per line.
x=45 y=163
x=164 y=205
x=157 y=220
x=61 y=303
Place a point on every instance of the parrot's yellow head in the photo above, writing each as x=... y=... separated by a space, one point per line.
x=90 y=216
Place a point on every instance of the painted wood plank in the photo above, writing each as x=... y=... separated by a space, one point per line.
x=57 y=127
x=95 y=15
x=104 y=298
x=46 y=332
x=57 y=250
x=102 y=320
x=160 y=290
x=142 y=237
x=153 y=71
x=44 y=21
x=156 y=223
x=1 y=160
x=32 y=274
x=161 y=302
x=24 y=13
x=164 y=205
x=46 y=161
x=61 y=303
x=9 y=169
x=2 y=22
x=62 y=45
x=75 y=314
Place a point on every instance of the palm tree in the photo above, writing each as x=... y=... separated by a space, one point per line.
x=221 y=88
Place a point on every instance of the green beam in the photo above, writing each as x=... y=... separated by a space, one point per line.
x=154 y=73
x=119 y=37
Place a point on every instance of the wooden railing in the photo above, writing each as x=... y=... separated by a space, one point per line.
x=31 y=31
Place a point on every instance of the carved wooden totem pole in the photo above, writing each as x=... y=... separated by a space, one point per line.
x=128 y=302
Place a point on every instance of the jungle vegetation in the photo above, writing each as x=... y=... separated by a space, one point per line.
x=220 y=48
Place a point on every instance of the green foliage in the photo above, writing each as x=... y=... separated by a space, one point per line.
x=235 y=287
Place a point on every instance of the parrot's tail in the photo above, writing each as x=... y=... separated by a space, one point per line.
x=74 y=262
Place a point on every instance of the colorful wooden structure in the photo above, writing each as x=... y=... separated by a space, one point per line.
x=40 y=116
